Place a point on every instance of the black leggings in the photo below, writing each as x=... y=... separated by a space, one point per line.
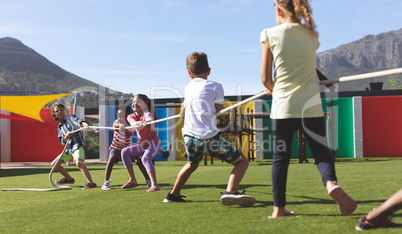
x=314 y=130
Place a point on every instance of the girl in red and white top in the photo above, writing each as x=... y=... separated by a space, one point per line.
x=121 y=140
x=148 y=145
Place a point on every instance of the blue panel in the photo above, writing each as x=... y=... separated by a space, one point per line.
x=161 y=129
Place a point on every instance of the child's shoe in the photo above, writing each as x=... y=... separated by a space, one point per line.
x=366 y=224
x=106 y=185
x=65 y=181
x=236 y=198
x=128 y=185
x=153 y=190
x=170 y=198
x=88 y=186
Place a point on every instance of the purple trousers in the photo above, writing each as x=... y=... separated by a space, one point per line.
x=147 y=154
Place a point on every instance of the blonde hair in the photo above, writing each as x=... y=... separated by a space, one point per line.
x=299 y=9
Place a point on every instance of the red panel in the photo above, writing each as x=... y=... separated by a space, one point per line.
x=16 y=116
x=382 y=126
x=35 y=141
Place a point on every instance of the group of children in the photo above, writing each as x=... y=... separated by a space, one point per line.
x=290 y=48
x=121 y=148
x=203 y=98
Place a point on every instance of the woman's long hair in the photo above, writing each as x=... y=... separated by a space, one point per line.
x=149 y=103
x=299 y=9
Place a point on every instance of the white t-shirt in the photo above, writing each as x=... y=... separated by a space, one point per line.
x=200 y=98
x=296 y=92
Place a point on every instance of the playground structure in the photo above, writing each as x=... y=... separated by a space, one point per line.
x=354 y=125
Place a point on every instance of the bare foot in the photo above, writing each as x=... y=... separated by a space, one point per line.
x=280 y=211
x=330 y=184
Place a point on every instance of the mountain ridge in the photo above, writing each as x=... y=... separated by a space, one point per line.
x=368 y=54
x=23 y=69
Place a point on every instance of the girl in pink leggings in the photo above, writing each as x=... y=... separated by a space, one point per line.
x=148 y=145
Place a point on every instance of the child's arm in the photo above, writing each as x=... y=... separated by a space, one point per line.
x=182 y=110
x=78 y=122
x=67 y=136
x=147 y=118
x=219 y=107
x=266 y=69
x=138 y=123
x=84 y=124
x=122 y=127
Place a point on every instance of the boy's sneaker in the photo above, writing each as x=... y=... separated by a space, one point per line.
x=65 y=181
x=149 y=183
x=236 y=198
x=106 y=185
x=170 y=198
x=88 y=186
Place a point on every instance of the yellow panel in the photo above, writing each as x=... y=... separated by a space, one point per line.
x=29 y=106
x=247 y=108
x=179 y=138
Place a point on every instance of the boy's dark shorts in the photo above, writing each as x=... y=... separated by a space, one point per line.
x=116 y=153
x=217 y=147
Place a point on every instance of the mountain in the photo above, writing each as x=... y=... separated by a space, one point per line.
x=369 y=54
x=23 y=69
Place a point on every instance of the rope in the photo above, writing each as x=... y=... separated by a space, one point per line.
x=363 y=76
x=323 y=82
x=177 y=116
x=56 y=187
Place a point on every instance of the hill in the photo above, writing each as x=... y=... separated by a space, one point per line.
x=371 y=53
x=23 y=70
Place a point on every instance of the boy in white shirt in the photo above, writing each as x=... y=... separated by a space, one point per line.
x=204 y=98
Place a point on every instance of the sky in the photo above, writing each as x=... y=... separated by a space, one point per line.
x=140 y=46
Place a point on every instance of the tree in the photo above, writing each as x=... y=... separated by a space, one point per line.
x=395 y=83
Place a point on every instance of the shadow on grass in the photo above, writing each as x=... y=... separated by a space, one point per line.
x=221 y=186
x=267 y=162
x=34 y=171
x=360 y=160
x=196 y=186
x=313 y=200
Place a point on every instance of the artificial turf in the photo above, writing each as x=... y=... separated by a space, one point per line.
x=370 y=181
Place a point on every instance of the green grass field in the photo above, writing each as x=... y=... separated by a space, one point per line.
x=369 y=181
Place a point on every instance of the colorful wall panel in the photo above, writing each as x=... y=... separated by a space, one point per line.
x=382 y=126
x=34 y=141
x=344 y=144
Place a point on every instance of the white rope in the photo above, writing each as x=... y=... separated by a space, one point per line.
x=56 y=187
x=242 y=102
x=177 y=116
x=324 y=82
x=363 y=76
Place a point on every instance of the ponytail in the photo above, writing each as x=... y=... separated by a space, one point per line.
x=299 y=9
